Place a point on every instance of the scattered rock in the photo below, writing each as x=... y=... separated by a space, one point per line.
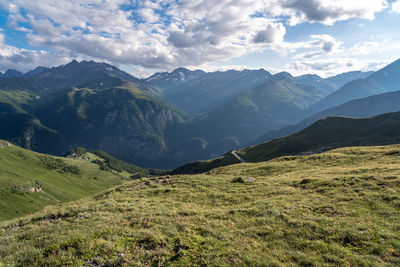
x=249 y=179
x=35 y=189
x=4 y=144
x=243 y=180
x=159 y=180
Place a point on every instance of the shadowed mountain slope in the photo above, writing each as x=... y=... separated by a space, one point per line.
x=325 y=134
x=359 y=108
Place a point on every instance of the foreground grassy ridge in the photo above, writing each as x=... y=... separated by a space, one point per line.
x=29 y=180
x=337 y=208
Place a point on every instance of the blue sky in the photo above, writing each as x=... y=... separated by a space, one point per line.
x=325 y=37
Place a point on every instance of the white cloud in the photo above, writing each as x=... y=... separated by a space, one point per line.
x=274 y=33
x=365 y=48
x=148 y=15
x=24 y=59
x=328 y=12
x=396 y=6
x=212 y=68
x=320 y=45
x=164 y=34
x=333 y=66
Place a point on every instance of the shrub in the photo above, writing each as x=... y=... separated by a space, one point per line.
x=239 y=180
x=52 y=163
x=58 y=164
x=71 y=169
x=76 y=152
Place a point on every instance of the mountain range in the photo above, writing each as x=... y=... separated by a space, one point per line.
x=359 y=108
x=88 y=104
x=169 y=119
x=196 y=92
x=381 y=81
x=325 y=134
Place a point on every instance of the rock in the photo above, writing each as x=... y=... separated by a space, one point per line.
x=35 y=189
x=4 y=144
x=250 y=179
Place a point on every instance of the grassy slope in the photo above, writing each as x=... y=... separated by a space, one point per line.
x=325 y=134
x=22 y=170
x=17 y=98
x=359 y=108
x=329 y=133
x=337 y=208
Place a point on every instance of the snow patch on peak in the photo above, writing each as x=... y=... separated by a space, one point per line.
x=182 y=76
x=157 y=77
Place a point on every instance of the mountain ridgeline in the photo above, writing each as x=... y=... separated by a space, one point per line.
x=359 y=108
x=197 y=92
x=87 y=104
x=99 y=107
x=276 y=102
x=384 y=80
x=325 y=134
x=171 y=118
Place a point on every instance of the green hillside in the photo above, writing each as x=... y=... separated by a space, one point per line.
x=91 y=105
x=123 y=121
x=359 y=108
x=30 y=181
x=339 y=208
x=325 y=134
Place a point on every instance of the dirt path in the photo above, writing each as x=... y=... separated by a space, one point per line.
x=238 y=157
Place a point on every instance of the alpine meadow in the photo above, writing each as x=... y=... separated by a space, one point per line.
x=199 y=133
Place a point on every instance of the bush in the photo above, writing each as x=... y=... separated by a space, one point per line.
x=52 y=163
x=76 y=152
x=103 y=166
x=110 y=163
x=71 y=169
x=239 y=180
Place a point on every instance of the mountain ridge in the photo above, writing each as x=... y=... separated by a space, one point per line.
x=384 y=80
x=357 y=108
x=75 y=94
x=325 y=134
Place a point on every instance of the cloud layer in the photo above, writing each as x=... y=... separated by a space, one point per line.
x=164 y=34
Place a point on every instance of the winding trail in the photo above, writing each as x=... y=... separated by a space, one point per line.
x=238 y=157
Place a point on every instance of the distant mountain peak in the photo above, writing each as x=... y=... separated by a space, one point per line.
x=12 y=73
x=181 y=69
x=35 y=71
x=73 y=62
x=283 y=76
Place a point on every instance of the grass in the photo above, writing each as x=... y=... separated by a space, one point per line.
x=17 y=97
x=339 y=208
x=323 y=135
x=29 y=181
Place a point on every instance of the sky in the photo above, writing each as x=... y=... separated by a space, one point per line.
x=324 y=37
